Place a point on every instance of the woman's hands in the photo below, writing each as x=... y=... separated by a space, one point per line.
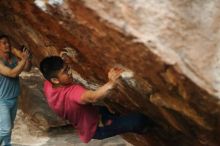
x=25 y=54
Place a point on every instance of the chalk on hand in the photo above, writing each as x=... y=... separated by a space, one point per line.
x=127 y=74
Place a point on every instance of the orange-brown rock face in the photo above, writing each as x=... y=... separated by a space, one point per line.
x=186 y=109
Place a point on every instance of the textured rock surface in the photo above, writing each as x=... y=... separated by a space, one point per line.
x=183 y=32
x=171 y=46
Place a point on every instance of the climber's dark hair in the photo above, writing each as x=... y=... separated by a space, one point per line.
x=50 y=66
x=3 y=36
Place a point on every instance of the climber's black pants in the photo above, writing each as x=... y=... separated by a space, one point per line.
x=133 y=122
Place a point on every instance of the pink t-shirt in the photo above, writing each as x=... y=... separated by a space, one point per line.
x=65 y=101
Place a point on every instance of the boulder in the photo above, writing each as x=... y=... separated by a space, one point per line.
x=170 y=46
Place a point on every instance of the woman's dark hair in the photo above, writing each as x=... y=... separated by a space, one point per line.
x=50 y=66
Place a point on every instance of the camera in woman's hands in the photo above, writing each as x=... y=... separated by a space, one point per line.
x=25 y=49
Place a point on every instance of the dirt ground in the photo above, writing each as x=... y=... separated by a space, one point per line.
x=23 y=135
